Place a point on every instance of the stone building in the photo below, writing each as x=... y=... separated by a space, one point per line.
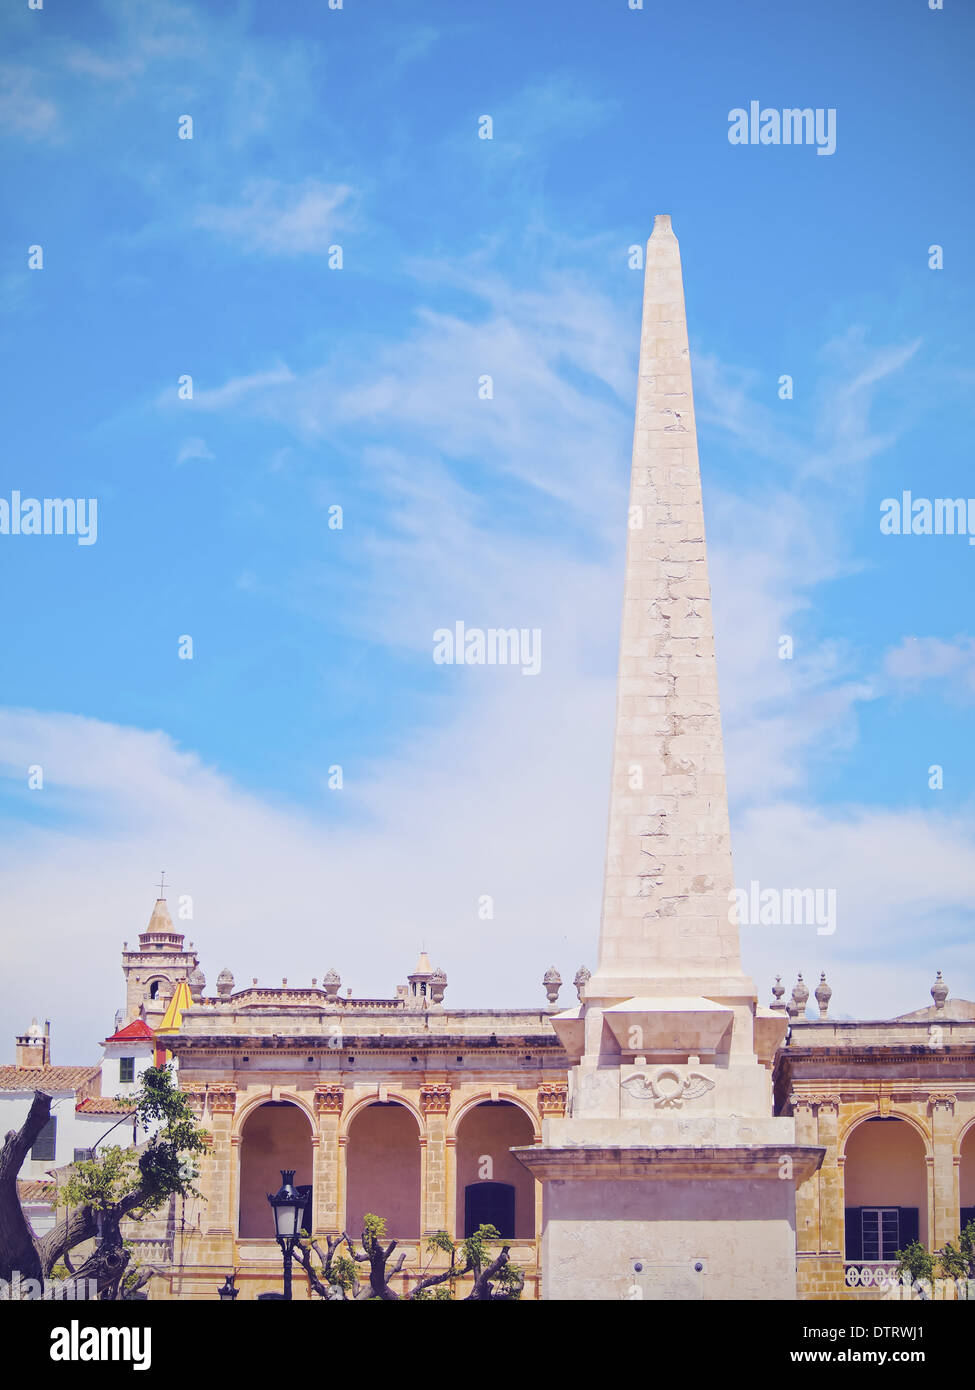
x=401 y=1106
x=409 y=1108
x=893 y=1104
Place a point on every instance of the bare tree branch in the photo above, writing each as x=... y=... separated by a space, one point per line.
x=18 y=1245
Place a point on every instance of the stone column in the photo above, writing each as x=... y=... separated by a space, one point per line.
x=807 y=1194
x=223 y=1187
x=943 y=1206
x=827 y=1179
x=435 y=1103
x=327 y=1177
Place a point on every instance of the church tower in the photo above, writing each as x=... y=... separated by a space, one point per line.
x=154 y=970
x=669 y=1175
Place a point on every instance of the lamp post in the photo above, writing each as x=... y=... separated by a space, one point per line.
x=286 y=1205
x=228 y=1291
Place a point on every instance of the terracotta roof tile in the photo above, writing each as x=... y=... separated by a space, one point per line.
x=34 y=1190
x=136 y=1031
x=104 y=1105
x=46 y=1078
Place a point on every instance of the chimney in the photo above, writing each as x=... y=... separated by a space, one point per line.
x=34 y=1046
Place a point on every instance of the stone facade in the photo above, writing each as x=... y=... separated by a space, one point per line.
x=262 y=1056
x=835 y=1077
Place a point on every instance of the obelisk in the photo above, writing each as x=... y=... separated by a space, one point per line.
x=669 y=1158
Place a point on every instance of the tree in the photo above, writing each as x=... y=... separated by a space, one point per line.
x=496 y=1279
x=101 y=1193
x=958 y=1261
x=917 y=1262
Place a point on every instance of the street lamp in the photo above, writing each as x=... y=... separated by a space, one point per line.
x=286 y=1205
x=227 y=1291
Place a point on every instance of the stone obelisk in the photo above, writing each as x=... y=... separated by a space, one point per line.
x=669 y=1177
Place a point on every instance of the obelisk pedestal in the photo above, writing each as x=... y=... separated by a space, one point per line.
x=669 y=1177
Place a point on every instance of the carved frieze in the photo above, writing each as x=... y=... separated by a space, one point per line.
x=435 y=1099
x=329 y=1100
x=223 y=1099
x=552 y=1097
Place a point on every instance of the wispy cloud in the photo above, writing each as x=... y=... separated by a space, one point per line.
x=24 y=111
x=283 y=219
x=921 y=659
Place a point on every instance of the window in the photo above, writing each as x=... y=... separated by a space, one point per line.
x=45 y=1144
x=877 y=1233
x=154 y=990
x=967 y=1214
x=82 y=1155
x=881 y=1229
x=126 y=1069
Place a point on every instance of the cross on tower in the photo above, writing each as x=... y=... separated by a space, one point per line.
x=162 y=883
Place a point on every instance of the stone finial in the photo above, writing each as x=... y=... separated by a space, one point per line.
x=778 y=989
x=939 y=992
x=800 y=994
x=583 y=976
x=552 y=982
x=225 y=984
x=796 y=1006
x=823 y=994
x=438 y=985
x=331 y=981
x=197 y=983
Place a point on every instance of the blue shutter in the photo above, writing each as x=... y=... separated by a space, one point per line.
x=909 y=1226
x=45 y=1145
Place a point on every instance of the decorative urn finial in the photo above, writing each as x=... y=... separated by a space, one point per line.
x=939 y=992
x=823 y=994
x=552 y=982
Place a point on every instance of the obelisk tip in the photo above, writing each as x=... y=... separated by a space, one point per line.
x=661 y=225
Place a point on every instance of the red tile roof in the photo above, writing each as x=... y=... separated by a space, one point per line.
x=136 y=1031
x=32 y=1190
x=104 y=1105
x=47 y=1078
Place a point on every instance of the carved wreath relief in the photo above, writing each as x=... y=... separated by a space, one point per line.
x=667 y=1088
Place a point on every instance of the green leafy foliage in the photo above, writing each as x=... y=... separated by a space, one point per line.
x=164 y=1167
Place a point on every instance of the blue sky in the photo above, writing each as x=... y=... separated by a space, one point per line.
x=357 y=387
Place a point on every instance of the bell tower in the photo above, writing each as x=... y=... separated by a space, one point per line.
x=154 y=970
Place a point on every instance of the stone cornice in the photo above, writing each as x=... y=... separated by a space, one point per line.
x=542 y=1050
x=589 y=1162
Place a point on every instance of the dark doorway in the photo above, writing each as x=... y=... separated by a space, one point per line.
x=489 y=1204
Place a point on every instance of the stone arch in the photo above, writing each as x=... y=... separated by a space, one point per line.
x=383 y=1168
x=494 y=1187
x=966 y=1174
x=252 y=1103
x=964 y=1132
x=886 y=1179
x=394 y=1097
x=511 y=1097
x=274 y=1135
x=847 y=1132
